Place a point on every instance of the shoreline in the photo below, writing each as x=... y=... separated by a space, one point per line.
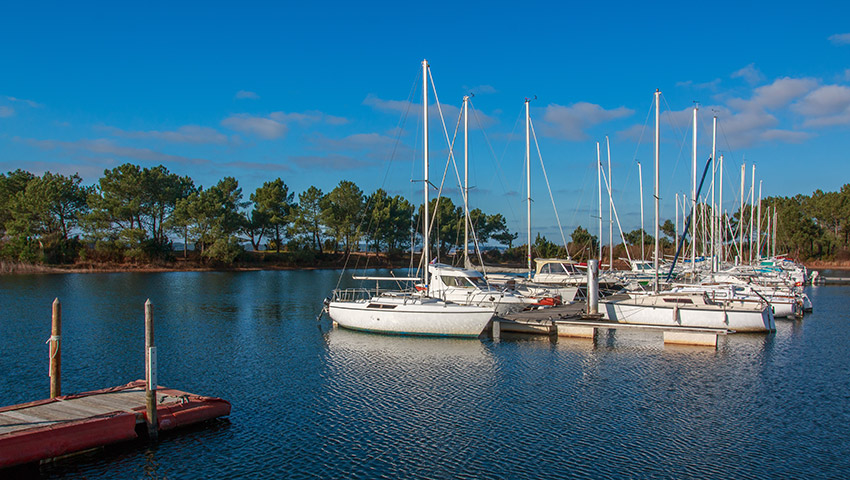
x=18 y=268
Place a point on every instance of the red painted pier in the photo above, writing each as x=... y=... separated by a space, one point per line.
x=66 y=424
x=59 y=426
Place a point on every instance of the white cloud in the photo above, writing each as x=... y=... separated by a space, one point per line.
x=778 y=94
x=276 y=124
x=477 y=118
x=481 y=90
x=245 y=94
x=787 y=136
x=712 y=85
x=186 y=134
x=840 y=39
x=376 y=103
x=107 y=147
x=572 y=121
x=332 y=162
x=827 y=106
x=263 y=127
x=372 y=146
x=750 y=74
x=30 y=103
x=6 y=111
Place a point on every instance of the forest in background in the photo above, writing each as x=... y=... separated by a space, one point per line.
x=136 y=215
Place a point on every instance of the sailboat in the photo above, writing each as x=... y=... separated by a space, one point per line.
x=408 y=312
x=691 y=308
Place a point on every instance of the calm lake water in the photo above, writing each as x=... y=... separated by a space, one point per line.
x=310 y=401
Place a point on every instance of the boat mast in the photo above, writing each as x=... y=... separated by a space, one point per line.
x=741 y=216
x=466 y=181
x=694 y=197
x=528 y=180
x=752 y=209
x=767 y=233
x=774 y=231
x=657 y=177
x=677 y=217
x=610 y=210
x=721 y=232
x=758 y=226
x=713 y=206
x=599 y=189
x=425 y=143
x=640 y=181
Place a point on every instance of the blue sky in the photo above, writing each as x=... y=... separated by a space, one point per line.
x=317 y=93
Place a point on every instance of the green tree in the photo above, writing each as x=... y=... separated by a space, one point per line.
x=581 y=240
x=160 y=192
x=10 y=185
x=212 y=219
x=342 y=213
x=546 y=249
x=44 y=212
x=273 y=202
x=446 y=223
x=307 y=216
x=389 y=220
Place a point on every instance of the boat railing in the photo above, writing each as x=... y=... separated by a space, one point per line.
x=353 y=294
x=364 y=294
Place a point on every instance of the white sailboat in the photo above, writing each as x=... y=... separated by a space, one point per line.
x=408 y=312
x=469 y=287
x=686 y=309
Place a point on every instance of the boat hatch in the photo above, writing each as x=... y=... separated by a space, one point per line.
x=380 y=305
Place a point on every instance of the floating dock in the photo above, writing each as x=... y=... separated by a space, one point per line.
x=63 y=425
x=572 y=321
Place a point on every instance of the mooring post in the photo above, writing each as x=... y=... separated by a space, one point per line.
x=592 y=287
x=55 y=350
x=150 y=374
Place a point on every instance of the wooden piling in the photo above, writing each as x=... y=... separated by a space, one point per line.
x=150 y=374
x=56 y=350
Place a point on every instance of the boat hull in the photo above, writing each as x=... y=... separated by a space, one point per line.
x=437 y=319
x=646 y=312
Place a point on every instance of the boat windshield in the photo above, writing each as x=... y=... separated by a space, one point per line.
x=463 y=282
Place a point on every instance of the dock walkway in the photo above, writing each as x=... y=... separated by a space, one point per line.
x=59 y=426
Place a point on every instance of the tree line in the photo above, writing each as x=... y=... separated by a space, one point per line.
x=137 y=214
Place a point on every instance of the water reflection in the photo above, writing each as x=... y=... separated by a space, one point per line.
x=313 y=401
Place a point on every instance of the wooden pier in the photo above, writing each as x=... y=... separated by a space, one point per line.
x=54 y=427
x=64 y=425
